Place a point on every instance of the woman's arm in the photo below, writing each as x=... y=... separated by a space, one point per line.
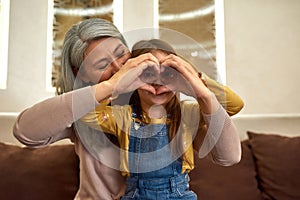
x=221 y=137
x=110 y=119
x=220 y=134
x=52 y=119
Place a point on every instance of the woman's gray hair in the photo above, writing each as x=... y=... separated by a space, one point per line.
x=75 y=43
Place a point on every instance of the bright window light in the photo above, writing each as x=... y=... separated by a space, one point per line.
x=220 y=40
x=4 y=27
x=118 y=14
x=49 y=64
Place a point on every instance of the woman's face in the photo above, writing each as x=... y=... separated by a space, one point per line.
x=163 y=94
x=102 y=59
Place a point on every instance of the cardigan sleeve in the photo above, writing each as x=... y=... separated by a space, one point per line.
x=51 y=120
x=221 y=140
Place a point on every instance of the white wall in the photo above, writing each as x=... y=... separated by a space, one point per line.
x=262 y=53
x=26 y=81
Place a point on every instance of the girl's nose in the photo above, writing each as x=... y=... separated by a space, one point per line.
x=158 y=81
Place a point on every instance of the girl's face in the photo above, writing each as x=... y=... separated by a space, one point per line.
x=163 y=94
x=102 y=59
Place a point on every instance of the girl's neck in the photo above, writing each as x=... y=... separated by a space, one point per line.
x=155 y=111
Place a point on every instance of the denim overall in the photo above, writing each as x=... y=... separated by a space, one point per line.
x=153 y=172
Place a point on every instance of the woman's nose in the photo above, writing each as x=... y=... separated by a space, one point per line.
x=116 y=65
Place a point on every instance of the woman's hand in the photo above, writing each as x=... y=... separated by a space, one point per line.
x=183 y=77
x=128 y=78
x=186 y=80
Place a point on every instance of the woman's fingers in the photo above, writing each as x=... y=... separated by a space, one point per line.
x=137 y=61
x=145 y=71
x=128 y=78
x=179 y=64
x=187 y=81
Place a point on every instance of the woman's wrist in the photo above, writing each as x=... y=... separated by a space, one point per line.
x=103 y=90
x=208 y=102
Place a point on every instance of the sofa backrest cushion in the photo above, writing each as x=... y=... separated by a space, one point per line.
x=33 y=174
x=278 y=164
x=212 y=181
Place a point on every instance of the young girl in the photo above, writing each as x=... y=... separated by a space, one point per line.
x=156 y=131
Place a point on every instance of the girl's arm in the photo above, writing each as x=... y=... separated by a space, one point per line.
x=108 y=119
x=229 y=100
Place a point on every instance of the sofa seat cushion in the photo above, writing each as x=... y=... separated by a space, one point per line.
x=45 y=173
x=211 y=181
x=278 y=164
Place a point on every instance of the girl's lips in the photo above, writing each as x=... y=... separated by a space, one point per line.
x=156 y=89
x=162 y=89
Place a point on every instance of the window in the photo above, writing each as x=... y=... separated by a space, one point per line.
x=65 y=13
x=202 y=21
x=4 y=27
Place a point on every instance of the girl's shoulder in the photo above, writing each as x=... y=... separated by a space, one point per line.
x=189 y=105
x=190 y=111
x=121 y=112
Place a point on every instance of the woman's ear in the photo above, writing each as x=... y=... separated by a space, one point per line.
x=75 y=71
x=80 y=73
